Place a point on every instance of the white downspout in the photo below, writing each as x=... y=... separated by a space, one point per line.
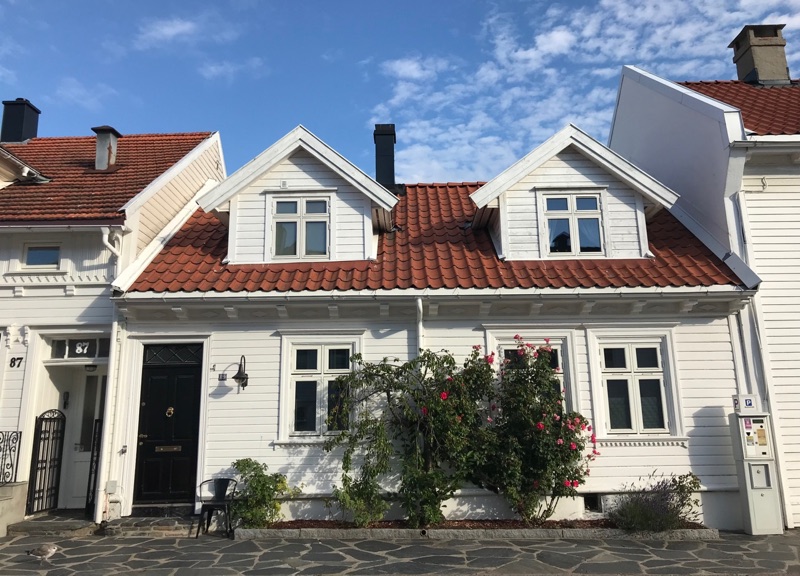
x=420 y=339
x=106 y=231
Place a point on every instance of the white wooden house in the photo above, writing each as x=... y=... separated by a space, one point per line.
x=299 y=259
x=74 y=211
x=732 y=149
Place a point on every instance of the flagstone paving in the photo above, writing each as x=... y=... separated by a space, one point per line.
x=732 y=554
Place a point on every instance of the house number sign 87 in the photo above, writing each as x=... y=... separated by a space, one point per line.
x=16 y=362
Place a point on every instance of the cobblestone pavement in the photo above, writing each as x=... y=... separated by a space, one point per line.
x=95 y=555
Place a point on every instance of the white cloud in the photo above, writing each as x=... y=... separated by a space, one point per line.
x=551 y=64
x=160 y=32
x=226 y=70
x=72 y=91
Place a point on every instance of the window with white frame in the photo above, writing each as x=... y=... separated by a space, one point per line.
x=557 y=350
x=301 y=227
x=41 y=257
x=574 y=224
x=315 y=395
x=635 y=384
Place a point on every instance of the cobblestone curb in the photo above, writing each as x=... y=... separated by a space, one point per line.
x=477 y=534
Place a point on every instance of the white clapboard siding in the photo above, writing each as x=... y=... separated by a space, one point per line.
x=245 y=424
x=571 y=169
x=774 y=227
x=300 y=173
x=163 y=205
x=84 y=259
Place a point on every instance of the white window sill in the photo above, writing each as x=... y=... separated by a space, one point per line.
x=631 y=440
x=39 y=272
x=301 y=441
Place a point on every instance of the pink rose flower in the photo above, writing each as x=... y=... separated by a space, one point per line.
x=573 y=446
x=567 y=483
x=560 y=441
x=443 y=395
x=540 y=425
x=575 y=483
x=547 y=340
x=424 y=411
x=517 y=337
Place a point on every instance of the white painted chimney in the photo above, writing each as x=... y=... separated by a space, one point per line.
x=106 y=150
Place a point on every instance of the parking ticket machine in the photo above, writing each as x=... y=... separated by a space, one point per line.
x=754 y=453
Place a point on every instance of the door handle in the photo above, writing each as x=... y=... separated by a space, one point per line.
x=170 y=411
x=142 y=436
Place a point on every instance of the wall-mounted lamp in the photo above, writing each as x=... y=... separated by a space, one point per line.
x=241 y=376
x=65 y=401
x=90 y=367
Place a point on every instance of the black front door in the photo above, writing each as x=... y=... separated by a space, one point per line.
x=169 y=415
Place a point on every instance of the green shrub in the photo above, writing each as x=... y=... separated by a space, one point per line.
x=663 y=504
x=256 y=503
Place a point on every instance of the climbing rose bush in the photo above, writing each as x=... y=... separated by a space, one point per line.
x=440 y=426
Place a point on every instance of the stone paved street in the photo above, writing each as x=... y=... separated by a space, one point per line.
x=96 y=555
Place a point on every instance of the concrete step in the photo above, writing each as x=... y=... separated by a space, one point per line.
x=172 y=527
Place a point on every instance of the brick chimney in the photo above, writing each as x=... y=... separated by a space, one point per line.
x=760 y=56
x=385 y=139
x=106 y=149
x=20 y=120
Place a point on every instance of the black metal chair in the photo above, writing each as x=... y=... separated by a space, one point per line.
x=216 y=495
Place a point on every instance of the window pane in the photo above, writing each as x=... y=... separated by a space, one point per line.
x=586 y=203
x=59 y=349
x=339 y=358
x=554 y=359
x=105 y=344
x=317 y=207
x=515 y=359
x=286 y=207
x=316 y=238
x=82 y=348
x=589 y=234
x=647 y=357
x=557 y=204
x=559 y=235
x=305 y=406
x=286 y=238
x=338 y=419
x=306 y=359
x=652 y=410
x=614 y=357
x=619 y=406
x=42 y=256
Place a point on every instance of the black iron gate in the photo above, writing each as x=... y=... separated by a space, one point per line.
x=48 y=447
x=91 y=487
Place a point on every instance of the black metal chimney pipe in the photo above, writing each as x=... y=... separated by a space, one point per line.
x=385 y=139
x=20 y=120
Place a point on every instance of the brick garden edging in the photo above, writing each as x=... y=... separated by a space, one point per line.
x=470 y=534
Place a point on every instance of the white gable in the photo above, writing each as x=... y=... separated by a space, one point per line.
x=574 y=182
x=333 y=207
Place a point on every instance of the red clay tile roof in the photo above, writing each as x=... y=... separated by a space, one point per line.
x=76 y=191
x=766 y=110
x=432 y=249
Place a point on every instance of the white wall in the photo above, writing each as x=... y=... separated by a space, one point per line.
x=680 y=140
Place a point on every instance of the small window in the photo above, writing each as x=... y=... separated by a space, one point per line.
x=635 y=388
x=573 y=225
x=77 y=348
x=44 y=257
x=513 y=360
x=301 y=228
x=318 y=397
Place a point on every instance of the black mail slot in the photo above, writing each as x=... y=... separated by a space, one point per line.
x=168 y=448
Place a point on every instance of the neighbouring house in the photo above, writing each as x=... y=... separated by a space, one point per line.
x=234 y=333
x=74 y=211
x=732 y=149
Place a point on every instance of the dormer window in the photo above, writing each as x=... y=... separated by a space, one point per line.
x=301 y=227
x=573 y=224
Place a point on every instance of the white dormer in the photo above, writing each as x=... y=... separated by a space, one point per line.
x=301 y=201
x=570 y=198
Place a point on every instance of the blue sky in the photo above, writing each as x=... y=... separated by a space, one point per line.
x=472 y=85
